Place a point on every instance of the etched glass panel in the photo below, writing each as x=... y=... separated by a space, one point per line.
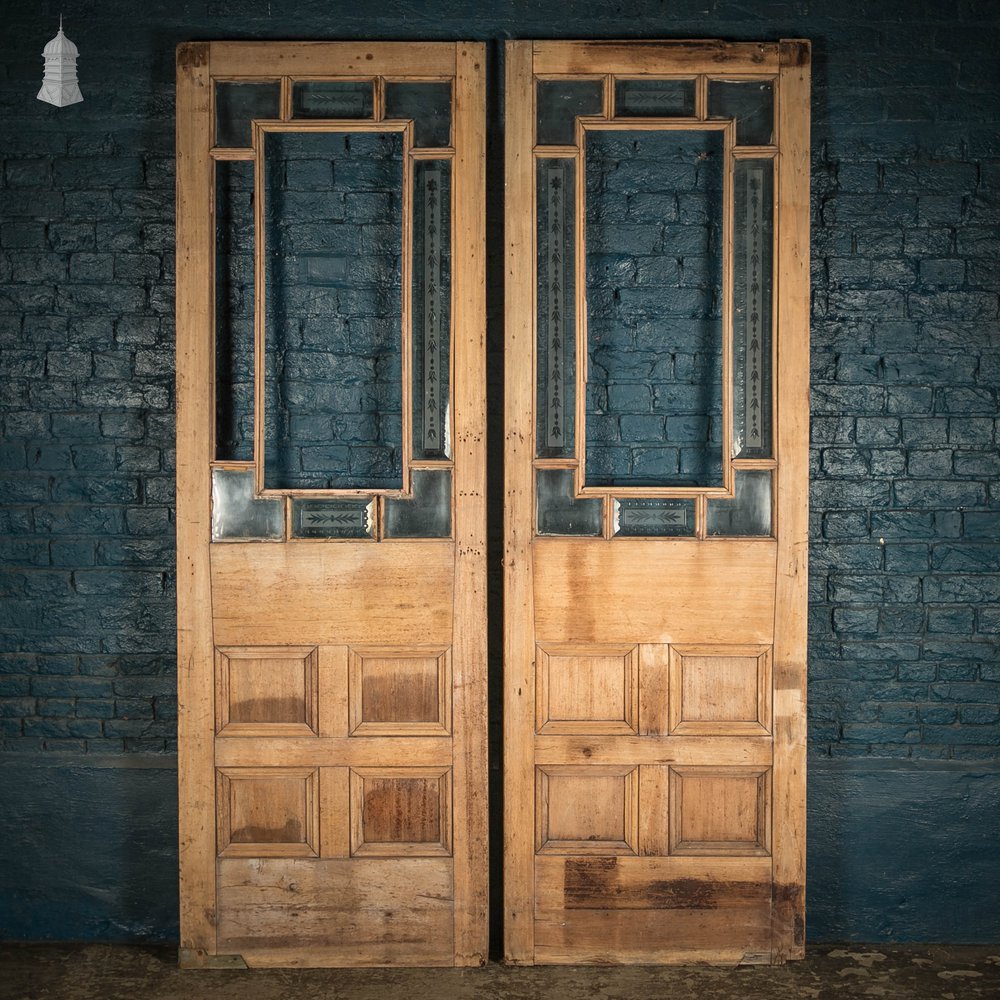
x=332 y=99
x=428 y=104
x=646 y=518
x=333 y=242
x=556 y=421
x=654 y=213
x=237 y=515
x=559 y=511
x=753 y=239
x=431 y=307
x=333 y=518
x=234 y=310
x=751 y=103
x=749 y=512
x=654 y=98
x=425 y=514
x=560 y=102
x=237 y=105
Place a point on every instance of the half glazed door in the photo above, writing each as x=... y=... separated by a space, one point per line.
x=656 y=461
x=330 y=503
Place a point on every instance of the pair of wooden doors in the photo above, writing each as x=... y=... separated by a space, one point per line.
x=331 y=502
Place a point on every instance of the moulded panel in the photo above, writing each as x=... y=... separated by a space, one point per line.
x=400 y=811
x=720 y=690
x=720 y=811
x=587 y=809
x=267 y=691
x=400 y=691
x=586 y=689
x=268 y=812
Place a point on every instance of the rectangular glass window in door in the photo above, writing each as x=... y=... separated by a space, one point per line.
x=330 y=497
x=656 y=483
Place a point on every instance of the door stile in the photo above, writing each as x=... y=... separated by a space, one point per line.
x=469 y=641
x=519 y=446
x=195 y=357
x=792 y=504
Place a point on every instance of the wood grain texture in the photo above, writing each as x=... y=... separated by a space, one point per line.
x=327 y=594
x=669 y=591
x=337 y=912
x=519 y=435
x=641 y=56
x=468 y=665
x=792 y=494
x=331 y=750
x=195 y=410
x=332 y=59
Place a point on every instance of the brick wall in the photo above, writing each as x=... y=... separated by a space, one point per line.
x=904 y=669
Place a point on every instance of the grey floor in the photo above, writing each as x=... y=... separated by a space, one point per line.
x=109 y=972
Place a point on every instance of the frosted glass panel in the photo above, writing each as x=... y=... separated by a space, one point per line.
x=639 y=517
x=333 y=379
x=654 y=98
x=654 y=212
x=749 y=512
x=236 y=515
x=560 y=102
x=425 y=514
x=751 y=103
x=333 y=518
x=559 y=512
x=428 y=104
x=332 y=99
x=237 y=105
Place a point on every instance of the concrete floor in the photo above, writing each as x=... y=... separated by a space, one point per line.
x=830 y=972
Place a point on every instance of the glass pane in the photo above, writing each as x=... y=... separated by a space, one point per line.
x=236 y=514
x=556 y=423
x=427 y=513
x=751 y=103
x=654 y=301
x=654 y=98
x=559 y=512
x=560 y=102
x=234 y=310
x=332 y=99
x=650 y=518
x=237 y=105
x=431 y=307
x=428 y=104
x=749 y=512
x=333 y=379
x=753 y=238
x=333 y=518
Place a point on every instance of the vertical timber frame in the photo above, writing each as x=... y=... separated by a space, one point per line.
x=199 y=66
x=787 y=63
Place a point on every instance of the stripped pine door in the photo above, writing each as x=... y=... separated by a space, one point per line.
x=330 y=504
x=656 y=461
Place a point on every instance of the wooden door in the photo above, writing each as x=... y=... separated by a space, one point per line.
x=657 y=227
x=330 y=503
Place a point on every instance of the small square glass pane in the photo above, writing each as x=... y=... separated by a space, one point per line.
x=332 y=99
x=237 y=515
x=654 y=98
x=560 y=512
x=428 y=104
x=560 y=103
x=751 y=103
x=425 y=514
x=749 y=512
x=237 y=105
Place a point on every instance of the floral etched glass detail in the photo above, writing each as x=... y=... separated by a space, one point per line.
x=749 y=511
x=752 y=282
x=431 y=308
x=556 y=312
x=559 y=511
x=654 y=98
x=237 y=515
x=332 y=99
x=640 y=517
x=333 y=518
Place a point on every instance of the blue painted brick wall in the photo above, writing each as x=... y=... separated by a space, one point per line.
x=905 y=585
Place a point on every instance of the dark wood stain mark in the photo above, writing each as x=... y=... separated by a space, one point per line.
x=787 y=905
x=191 y=55
x=290 y=833
x=795 y=53
x=597 y=883
x=268 y=710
